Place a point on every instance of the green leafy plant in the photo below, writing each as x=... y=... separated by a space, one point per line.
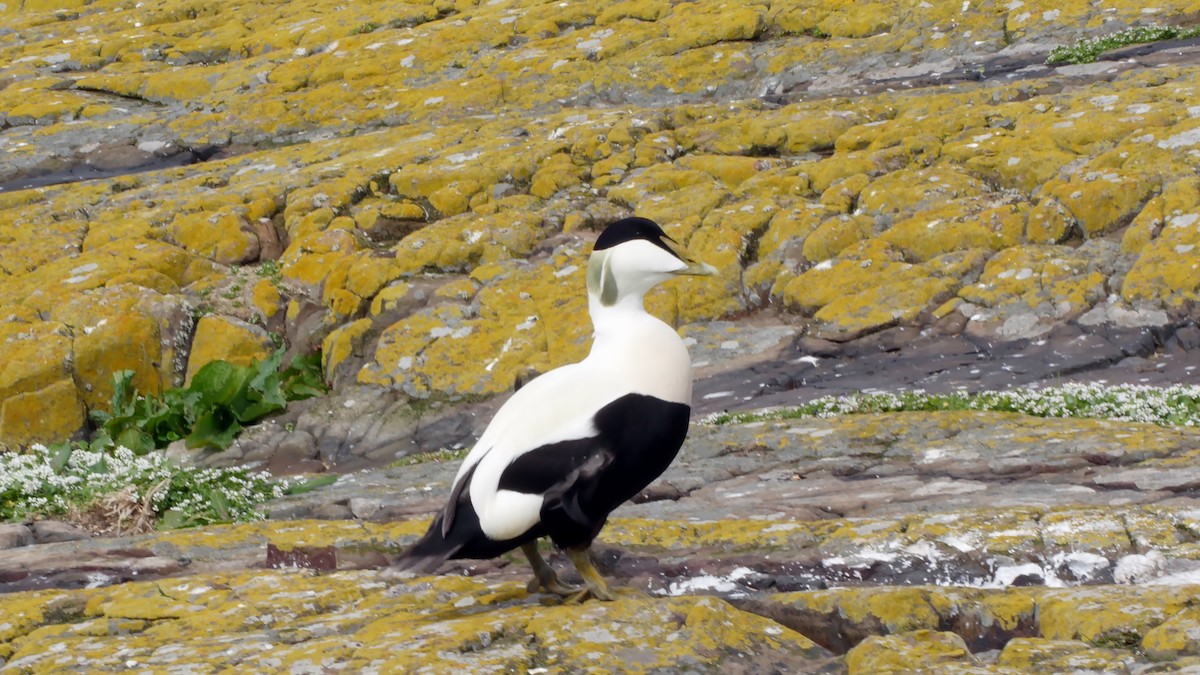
x=222 y=399
x=1087 y=51
x=303 y=378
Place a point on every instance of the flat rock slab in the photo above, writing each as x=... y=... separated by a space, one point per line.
x=911 y=359
x=428 y=223
x=748 y=365
x=298 y=620
x=987 y=541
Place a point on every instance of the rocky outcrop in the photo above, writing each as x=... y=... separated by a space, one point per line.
x=427 y=177
x=984 y=542
x=893 y=196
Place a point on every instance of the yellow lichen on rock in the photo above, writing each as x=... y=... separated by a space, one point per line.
x=1018 y=161
x=1049 y=223
x=607 y=637
x=837 y=234
x=897 y=610
x=41 y=416
x=911 y=190
x=957 y=225
x=36 y=355
x=831 y=280
x=1122 y=615
x=900 y=297
x=1166 y=234
x=557 y=172
x=266 y=298
x=722 y=240
x=1086 y=530
x=897 y=653
x=176 y=84
x=1024 y=654
x=128 y=341
x=731 y=171
x=851 y=296
x=726 y=535
x=457 y=244
x=391 y=298
x=226 y=339
x=312 y=259
x=1054 y=275
x=25 y=612
x=362 y=274
x=1101 y=201
x=401 y=345
x=355 y=620
x=341 y=343
x=221 y=237
x=1175 y=637
x=456 y=135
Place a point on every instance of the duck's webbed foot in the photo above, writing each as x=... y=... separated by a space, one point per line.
x=544 y=577
x=596 y=586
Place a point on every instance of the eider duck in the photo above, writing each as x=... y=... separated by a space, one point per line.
x=576 y=442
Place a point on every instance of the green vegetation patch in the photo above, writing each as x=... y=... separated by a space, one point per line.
x=221 y=400
x=1087 y=51
x=1177 y=405
x=119 y=491
x=116 y=483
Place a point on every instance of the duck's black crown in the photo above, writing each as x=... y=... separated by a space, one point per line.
x=631 y=229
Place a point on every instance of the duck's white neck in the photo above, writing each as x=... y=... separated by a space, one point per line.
x=645 y=352
x=628 y=312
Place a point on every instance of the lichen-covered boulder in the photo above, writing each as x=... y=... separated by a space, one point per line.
x=381 y=151
x=357 y=621
x=898 y=653
x=227 y=339
x=1175 y=637
x=45 y=415
x=1166 y=235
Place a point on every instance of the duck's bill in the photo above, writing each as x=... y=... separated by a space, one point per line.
x=697 y=268
x=694 y=267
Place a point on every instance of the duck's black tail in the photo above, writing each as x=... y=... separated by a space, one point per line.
x=428 y=552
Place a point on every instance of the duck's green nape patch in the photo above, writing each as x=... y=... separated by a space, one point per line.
x=1177 y=405
x=1087 y=51
x=600 y=279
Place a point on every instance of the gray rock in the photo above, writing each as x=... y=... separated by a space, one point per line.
x=1019 y=326
x=296 y=446
x=1122 y=316
x=1091 y=69
x=363 y=507
x=1175 y=478
x=51 y=531
x=336 y=511
x=75 y=564
x=179 y=453
x=13 y=535
x=1188 y=337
